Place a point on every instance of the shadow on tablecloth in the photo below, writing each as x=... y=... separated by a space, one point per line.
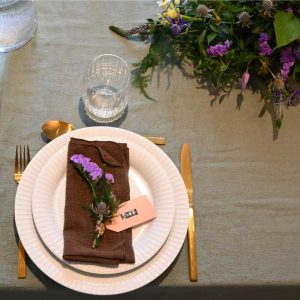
x=162 y=293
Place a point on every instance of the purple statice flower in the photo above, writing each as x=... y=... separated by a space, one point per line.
x=178 y=26
x=110 y=177
x=287 y=58
x=264 y=47
x=292 y=99
x=91 y=168
x=79 y=159
x=219 y=49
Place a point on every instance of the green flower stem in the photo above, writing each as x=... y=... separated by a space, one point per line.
x=191 y=19
x=94 y=196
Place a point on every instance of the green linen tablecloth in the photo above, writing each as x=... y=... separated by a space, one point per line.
x=247 y=192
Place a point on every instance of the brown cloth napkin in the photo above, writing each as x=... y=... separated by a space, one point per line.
x=114 y=247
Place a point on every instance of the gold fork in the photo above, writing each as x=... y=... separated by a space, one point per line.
x=21 y=162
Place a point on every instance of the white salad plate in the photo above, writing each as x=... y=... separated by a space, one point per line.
x=146 y=177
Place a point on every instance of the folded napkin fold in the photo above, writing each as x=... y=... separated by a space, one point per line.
x=114 y=247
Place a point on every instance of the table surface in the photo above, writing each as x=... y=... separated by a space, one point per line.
x=246 y=183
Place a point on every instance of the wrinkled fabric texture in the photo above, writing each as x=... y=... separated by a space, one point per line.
x=114 y=247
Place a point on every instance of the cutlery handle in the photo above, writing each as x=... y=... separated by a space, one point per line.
x=21 y=261
x=192 y=247
x=157 y=140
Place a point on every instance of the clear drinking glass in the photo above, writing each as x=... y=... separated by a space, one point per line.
x=18 y=23
x=106 y=83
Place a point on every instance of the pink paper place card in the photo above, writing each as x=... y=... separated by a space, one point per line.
x=132 y=213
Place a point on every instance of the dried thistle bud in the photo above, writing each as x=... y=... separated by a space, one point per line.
x=101 y=207
x=202 y=10
x=278 y=84
x=244 y=18
x=267 y=5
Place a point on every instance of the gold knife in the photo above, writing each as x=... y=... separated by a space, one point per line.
x=186 y=173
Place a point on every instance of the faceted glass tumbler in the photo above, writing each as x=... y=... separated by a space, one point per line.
x=18 y=23
x=106 y=84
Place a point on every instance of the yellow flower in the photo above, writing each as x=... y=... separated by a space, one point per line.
x=172 y=12
x=177 y=2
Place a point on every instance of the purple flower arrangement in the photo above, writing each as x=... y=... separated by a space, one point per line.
x=222 y=40
x=104 y=204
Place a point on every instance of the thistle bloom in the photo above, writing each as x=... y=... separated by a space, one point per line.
x=101 y=207
x=267 y=7
x=245 y=79
x=219 y=49
x=267 y=4
x=264 y=47
x=244 y=19
x=203 y=11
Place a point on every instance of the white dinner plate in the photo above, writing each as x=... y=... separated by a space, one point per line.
x=146 y=176
x=85 y=282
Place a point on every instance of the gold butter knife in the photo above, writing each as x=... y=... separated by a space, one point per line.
x=186 y=173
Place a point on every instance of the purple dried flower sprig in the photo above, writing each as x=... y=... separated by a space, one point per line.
x=288 y=59
x=92 y=170
x=219 y=50
x=104 y=204
x=264 y=47
x=110 y=177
